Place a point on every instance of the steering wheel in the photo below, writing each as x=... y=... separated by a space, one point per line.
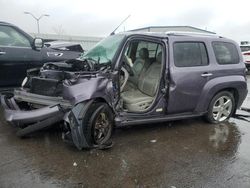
x=128 y=65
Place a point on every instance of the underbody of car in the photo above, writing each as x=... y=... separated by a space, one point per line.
x=111 y=87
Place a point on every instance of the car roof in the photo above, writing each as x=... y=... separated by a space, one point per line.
x=174 y=34
x=178 y=35
x=6 y=23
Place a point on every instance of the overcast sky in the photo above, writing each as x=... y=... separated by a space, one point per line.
x=100 y=17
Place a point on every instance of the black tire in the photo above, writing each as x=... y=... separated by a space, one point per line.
x=214 y=103
x=248 y=71
x=90 y=121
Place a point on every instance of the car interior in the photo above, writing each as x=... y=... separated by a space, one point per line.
x=140 y=75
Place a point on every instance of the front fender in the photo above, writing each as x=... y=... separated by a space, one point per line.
x=86 y=89
x=218 y=84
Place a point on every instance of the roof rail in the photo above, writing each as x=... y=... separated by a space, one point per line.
x=190 y=33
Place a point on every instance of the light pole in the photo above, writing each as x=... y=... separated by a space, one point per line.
x=37 y=19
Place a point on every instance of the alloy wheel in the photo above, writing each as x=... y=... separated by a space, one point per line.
x=222 y=108
x=102 y=128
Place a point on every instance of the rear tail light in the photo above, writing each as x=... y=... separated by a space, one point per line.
x=247 y=53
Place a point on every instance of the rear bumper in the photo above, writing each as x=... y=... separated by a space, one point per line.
x=18 y=117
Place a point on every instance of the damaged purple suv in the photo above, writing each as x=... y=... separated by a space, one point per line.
x=129 y=79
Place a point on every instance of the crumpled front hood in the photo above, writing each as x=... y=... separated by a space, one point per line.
x=70 y=80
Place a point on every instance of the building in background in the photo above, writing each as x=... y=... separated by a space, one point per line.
x=172 y=28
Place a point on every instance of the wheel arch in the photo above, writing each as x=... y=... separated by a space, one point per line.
x=98 y=100
x=234 y=84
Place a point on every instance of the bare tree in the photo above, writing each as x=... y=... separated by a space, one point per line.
x=59 y=30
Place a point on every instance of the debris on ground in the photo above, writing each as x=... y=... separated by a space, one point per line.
x=109 y=144
x=153 y=141
x=243 y=114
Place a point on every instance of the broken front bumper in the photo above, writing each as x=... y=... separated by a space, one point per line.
x=14 y=115
x=35 y=120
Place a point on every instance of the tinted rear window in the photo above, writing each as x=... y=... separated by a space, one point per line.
x=190 y=54
x=225 y=53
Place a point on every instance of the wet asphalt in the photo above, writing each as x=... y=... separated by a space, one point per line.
x=187 y=153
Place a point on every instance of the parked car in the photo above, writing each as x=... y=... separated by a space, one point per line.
x=65 y=46
x=19 y=52
x=130 y=79
x=245 y=49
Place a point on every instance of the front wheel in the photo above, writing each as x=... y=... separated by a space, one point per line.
x=221 y=107
x=98 y=125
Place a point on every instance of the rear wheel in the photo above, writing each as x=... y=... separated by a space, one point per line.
x=221 y=107
x=98 y=125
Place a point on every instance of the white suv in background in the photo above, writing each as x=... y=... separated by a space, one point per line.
x=245 y=49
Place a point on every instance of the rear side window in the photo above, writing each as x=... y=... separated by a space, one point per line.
x=190 y=54
x=225 y=53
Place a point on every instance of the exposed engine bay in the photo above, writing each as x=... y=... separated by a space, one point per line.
x=50 y=78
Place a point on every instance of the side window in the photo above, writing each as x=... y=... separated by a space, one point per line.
x=4 y=39
x=10 y=37
x=225 y=53
x=142 y=50
x=151 y=47
x=190 y=54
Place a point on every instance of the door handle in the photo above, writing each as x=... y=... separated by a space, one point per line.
x=2 y=53
x=206 y=74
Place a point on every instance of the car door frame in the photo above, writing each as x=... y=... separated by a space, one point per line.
x=160 y=101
